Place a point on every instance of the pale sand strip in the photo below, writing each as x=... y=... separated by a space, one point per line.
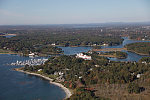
x=67 y=91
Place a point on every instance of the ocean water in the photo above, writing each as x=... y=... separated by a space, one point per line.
x=19 y=86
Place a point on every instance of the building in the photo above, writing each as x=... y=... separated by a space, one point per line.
x=105 y=44
x=39 y=70
x=31 y=54
x=85 y=57
x=53 y=44
x=138 y=75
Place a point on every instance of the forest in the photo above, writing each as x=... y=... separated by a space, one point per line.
x=23 y=46
x=142 y=48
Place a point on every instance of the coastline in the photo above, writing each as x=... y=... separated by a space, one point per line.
x=66 y=90
x=138 y=53
x=8 y=53
x=118 y=49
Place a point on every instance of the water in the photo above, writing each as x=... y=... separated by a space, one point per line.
x=74 y=50
x=126 y=41
x=9 y=36
x=131 y=56
x=19 y=86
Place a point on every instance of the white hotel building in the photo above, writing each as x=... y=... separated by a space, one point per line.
x=85 y=57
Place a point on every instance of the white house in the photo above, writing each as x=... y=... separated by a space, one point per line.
x=39 y=70
x=59 y=73
x=105 y=44
x=53 y=44
x=85 y=57
x=31 y=54
x=138 y=75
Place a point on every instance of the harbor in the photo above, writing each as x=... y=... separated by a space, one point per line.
x=30 y=62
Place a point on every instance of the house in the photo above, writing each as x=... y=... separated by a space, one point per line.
x=39 y=70
x=85 y=57
x=60 y=79
x=53 y=44
x=143 y=62
x=31 y=54
x=96 y=65
x=105 y=44
x=59 y=73
x=80 y=77
x=138 y=75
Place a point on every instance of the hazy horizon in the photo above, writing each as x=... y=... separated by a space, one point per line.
x=42 y=12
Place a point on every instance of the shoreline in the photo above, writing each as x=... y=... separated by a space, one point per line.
x=66 y=90
x=120 y=49
x=8 y=53
x=141 y=54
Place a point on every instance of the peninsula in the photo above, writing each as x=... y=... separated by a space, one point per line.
x=87 y=78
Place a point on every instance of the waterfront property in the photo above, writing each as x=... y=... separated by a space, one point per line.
x=85 y=57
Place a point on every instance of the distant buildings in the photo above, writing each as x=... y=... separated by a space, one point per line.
x=85 y=57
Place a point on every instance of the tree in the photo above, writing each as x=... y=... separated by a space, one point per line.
x=133 y=88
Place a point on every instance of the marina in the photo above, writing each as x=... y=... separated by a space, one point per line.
x=30 y=62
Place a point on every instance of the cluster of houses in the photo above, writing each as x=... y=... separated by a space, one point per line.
x=60 y=77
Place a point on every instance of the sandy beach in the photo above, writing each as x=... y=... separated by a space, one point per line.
x=67 y=91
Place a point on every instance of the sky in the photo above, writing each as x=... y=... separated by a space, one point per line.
x=31 y=12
